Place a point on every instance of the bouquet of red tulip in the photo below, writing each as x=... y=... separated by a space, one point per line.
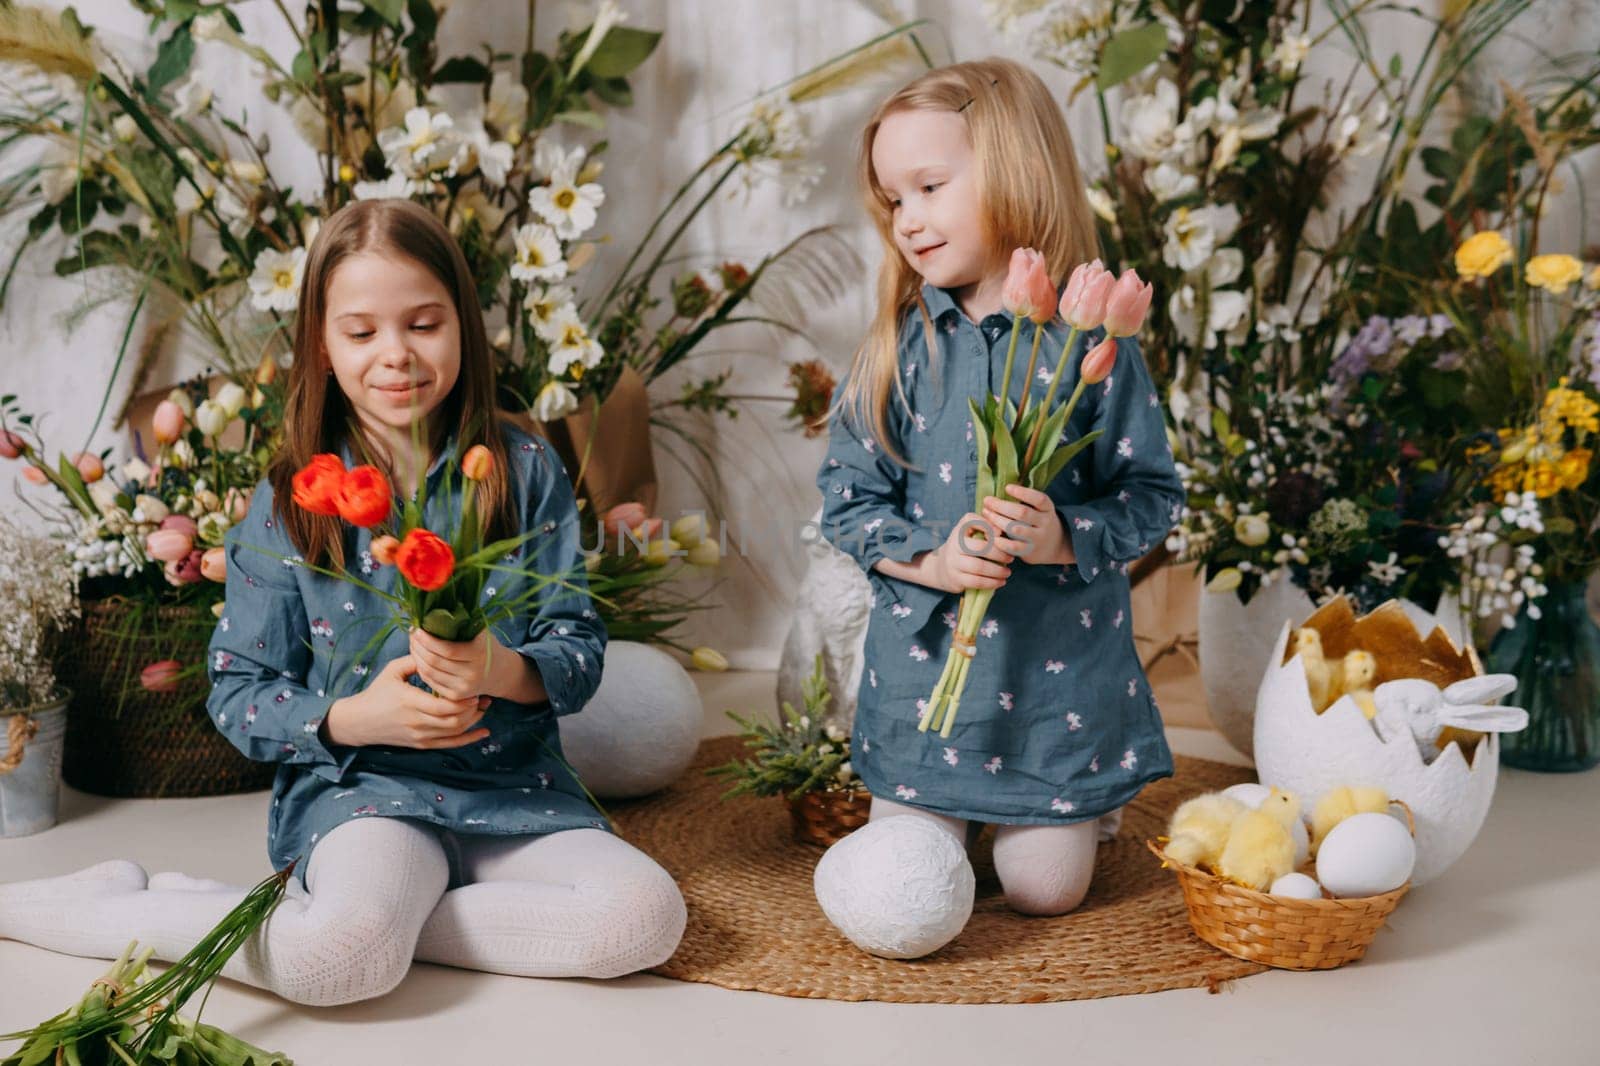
x=443 y=577
x=1025 y=447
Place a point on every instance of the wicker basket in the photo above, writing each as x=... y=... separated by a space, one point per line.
x=825 y=818
x=1292 y=934
x=123 y=740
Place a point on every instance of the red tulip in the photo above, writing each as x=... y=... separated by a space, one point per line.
x=1028 y=290
x=1130 y=300
x=186 y=571
x=161 y=676
x=1097 y=365
x=316 y=485
x=364 y=498
x=425 y=560
x=11 y=445
x=167 y=422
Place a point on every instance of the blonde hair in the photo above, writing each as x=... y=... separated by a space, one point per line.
x=1028 y=182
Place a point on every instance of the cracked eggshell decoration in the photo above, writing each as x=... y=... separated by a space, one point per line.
x=1307 y=753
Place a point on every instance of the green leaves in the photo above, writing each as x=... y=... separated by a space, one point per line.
x=388 y=10
x=623 y=49
x=1129 y=52
x=172 y=61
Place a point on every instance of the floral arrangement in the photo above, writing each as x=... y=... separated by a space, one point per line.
x=1028 y=446
x=130 y=1016
x=38 y=600
x=629 y=548
x=804 y=752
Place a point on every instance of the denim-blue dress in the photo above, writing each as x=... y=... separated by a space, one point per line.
x=291 y=641
x=1057 y=723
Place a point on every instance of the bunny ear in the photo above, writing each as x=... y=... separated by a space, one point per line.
x=1489 y=688
x=1485 y=719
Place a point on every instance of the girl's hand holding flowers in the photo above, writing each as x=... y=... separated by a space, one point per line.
x=481 y=666
x=1029 y=526
x=395 y=712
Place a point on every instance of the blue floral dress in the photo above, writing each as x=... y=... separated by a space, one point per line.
x=1057 y=723
x=290 y=642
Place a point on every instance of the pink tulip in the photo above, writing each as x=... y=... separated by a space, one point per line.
x=168 y=545
x=1083 y=301
x=214 y=564
x=1097 y=365
x=161 y=676
x=236 y=504
x=89 y=467
x=1130 y=300
x=167 y=422
x=1028 y=290
x=182 y=523
x=35 y=475
x=11 y=445
x=624 y=516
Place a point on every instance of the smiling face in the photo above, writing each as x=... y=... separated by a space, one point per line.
x=924 y=165
x=392 y=338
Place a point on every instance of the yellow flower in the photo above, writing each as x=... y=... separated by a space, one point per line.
x=1482 y=254
x=1574 y=468
x=1544 y=479
x=1226 y=580
x=1551 y=272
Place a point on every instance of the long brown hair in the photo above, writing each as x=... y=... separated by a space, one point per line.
x=317 y=415
x=1030 y=187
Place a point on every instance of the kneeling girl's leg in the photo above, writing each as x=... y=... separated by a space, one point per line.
x=576 y=903
x=1045 y=869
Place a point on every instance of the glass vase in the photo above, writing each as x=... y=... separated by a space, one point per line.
x=1556 y=660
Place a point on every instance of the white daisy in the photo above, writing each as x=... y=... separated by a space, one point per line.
x=546 y=308
x=275 y=284
x=538 y=254
x=555 y=401
x=573 y=344
x=422 y=141
x=569 y=207
x=395 y=187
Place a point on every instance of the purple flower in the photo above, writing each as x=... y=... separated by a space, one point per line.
x=1410 y=329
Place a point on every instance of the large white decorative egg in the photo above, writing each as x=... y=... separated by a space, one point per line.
x=899 y=887
x=640 y=731
x=1366 y=855
x=1309 y=754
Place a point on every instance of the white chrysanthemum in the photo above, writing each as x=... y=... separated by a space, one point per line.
x=547 y=307
x=538 y=254
x=1193 y=234
x=423 y=142
x=555 y=401
x=1224 y=311
x=1166 y=182
x=572 y=345
x=1150 y=124
x=193 y=96
x=395 y=187
x=275 y=282
x=569 y=207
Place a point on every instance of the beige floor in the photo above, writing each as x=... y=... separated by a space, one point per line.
x=1496 y=963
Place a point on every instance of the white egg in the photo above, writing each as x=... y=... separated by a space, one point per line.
x=1366 y=855
x=1296 y=886
x=1251 y=795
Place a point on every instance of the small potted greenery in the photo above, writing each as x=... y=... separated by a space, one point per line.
x=38 y=600
x=805 y=758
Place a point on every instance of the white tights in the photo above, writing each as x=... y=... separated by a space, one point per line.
x=1044 y=869
x=578 y=903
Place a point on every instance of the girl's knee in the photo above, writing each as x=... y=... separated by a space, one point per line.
x=1045 y=870
x=648 y=917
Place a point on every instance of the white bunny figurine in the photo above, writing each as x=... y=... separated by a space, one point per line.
x=1418 y=706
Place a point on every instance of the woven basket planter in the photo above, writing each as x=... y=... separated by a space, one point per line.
x=1291 y=934
x=824 y=818
x=124 y=740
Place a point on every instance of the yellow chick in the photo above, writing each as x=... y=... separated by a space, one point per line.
x=1307 y=643
x=1260 y=846
x=1360 y=669
x=1199 y=828
x=1340 y=803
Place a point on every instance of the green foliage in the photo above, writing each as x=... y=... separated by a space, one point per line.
x=801 y=753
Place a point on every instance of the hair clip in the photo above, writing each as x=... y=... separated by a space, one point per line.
x=992 y=82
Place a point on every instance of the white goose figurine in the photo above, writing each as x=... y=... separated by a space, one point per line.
x=1419 y=707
